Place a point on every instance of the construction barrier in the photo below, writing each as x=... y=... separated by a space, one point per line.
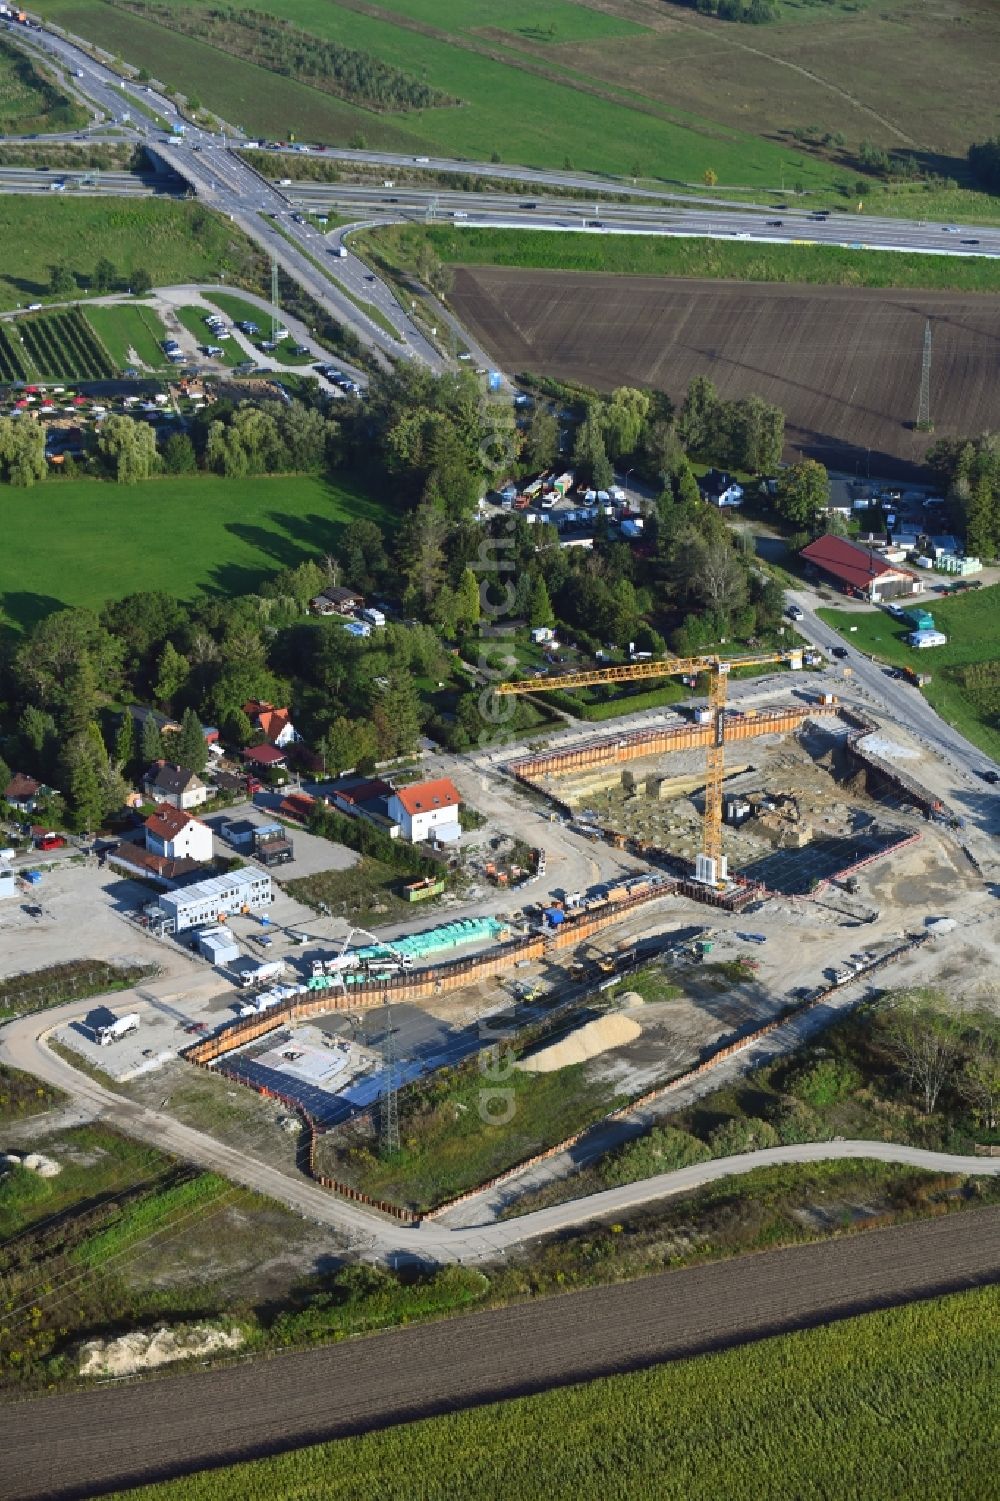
x=750 y=1039
x=419 y=984
x=613 y=750
x=652 y=1096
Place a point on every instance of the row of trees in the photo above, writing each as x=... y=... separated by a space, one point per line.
x=968 y=470
x=282 y=47
x=105 y=277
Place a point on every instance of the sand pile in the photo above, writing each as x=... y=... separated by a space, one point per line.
x=45 y=1167
x=144 y=1352
x=630 y=998
x=590 y=1040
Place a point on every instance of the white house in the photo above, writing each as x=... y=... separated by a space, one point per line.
x=172 y=784
x=177 y=835
x=427 y=810
x=275 y=725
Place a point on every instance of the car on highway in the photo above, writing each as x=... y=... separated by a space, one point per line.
x=839 y=652
x=949 y=229
x=775 y=223
x=369 y=276
x=970 y=242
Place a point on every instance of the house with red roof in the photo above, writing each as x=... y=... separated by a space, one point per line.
x=427 y=810
x=177 y=835
x=275 y=725
x=860 y=571
x=265 y=758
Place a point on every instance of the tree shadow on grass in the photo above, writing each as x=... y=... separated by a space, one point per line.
x=23 y=609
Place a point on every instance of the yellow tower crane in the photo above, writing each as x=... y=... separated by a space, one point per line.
x=711 y=866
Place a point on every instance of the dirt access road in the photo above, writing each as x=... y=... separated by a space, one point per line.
x=843 y=363
x=73 y=1446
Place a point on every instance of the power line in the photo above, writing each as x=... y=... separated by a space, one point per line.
x=924 y=424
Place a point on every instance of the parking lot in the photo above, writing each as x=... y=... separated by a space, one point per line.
x=312 y=856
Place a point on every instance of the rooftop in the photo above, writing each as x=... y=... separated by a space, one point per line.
x=847 y=561
x=167 y=822
x=422 y=797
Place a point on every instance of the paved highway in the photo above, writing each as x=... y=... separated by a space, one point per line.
x=86 y=1443
x=222 y=180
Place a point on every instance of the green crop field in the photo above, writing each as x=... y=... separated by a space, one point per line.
x=175 y=242
x=897 y=1403
x=130 y=329
x=55 y=346
x=101 y=541
x=966 y=673
x=662 y=255
x=29 y=101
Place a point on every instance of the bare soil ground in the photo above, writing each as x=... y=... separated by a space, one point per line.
x=843 y=364
x=125 y=1435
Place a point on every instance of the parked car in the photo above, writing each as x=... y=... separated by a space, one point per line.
x=51 y=842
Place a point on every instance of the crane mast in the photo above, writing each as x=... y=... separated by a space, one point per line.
x=710 y=865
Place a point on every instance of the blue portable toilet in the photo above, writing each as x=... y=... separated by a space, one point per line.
x=495 y=380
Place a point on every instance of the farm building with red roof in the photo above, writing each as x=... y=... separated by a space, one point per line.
x=859 y=570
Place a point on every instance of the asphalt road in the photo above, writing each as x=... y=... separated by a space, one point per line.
x=72 y=1446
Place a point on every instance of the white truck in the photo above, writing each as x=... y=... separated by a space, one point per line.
x=114 y=1031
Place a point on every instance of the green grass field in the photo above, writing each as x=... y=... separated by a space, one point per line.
x=174 y=241
x=966 y=673
x=29 y=102
x=130 y=327
x=660 y=255
x=897 y=1403
x=190 y=535
x=527 y=102
x=450 y=1140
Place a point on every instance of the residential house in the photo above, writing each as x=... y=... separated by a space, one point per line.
x=275 y=725
x=178 y=835
x=427 y=810
x=26 y=794
x=336 y=601
x=858 y=570
x=265 y=758
x=136 y=860
x=165 y=783
x=720 y=489
x=140 y=714
x=363 y=797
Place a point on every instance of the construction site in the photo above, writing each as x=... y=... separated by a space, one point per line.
x=797 y=807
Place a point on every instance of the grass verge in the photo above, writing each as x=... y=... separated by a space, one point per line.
x=965 y=686
x=40 y=989
x=22 y=1095
x=176 y=242
x=130 y=329
x=662 y=255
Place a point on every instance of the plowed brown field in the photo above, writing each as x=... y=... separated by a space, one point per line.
x=70 y=1447
x=843 y=364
